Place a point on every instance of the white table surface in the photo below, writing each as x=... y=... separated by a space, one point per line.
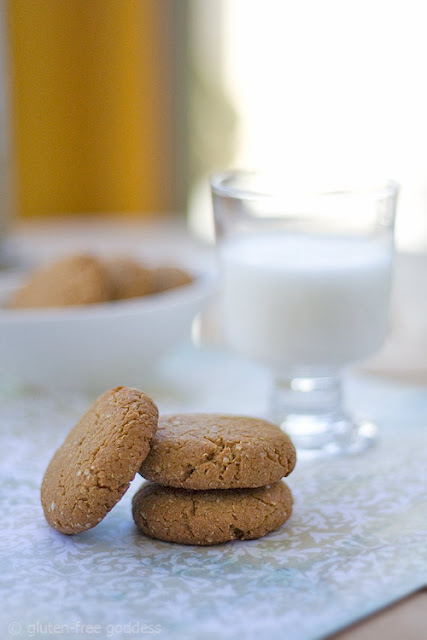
x=355 y=542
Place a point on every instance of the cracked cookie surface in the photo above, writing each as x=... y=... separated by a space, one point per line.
x=93 y=468
x=210 y=517
x=216 y=451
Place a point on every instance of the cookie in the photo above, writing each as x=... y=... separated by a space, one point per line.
x=130 y=278
x=74 y=280
x=170 y=277
x=213 y=451
x=92 y=469
x=210 y=517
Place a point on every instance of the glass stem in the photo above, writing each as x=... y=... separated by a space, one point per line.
x=322 y=395
x=309 y=409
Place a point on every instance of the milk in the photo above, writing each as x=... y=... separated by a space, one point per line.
x=297 y=300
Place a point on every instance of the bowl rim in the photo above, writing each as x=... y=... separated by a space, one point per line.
x=201 y=287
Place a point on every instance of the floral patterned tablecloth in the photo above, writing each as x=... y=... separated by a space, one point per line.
x=355 y=542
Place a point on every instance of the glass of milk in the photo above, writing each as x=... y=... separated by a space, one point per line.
x=305 y=290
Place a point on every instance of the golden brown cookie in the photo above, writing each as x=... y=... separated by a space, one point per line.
x=170 y=277
x=92 y=469
x=130 y=278
x=74 y=280
x=210 y=517
x=212 y=451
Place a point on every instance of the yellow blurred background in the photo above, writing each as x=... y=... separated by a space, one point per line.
x=93 y=105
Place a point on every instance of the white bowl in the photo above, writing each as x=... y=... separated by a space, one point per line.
x=100 y=345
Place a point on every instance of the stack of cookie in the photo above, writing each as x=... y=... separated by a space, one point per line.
x=214 y=478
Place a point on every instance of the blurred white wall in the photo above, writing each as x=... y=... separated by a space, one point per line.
x=331 y=87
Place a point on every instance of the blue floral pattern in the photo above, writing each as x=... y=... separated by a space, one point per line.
x=355 y=542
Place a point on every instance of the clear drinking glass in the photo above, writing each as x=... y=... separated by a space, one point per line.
x=305 y=290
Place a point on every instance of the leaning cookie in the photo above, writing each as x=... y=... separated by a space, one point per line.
x=213 y=451
x=210 y=517
x=75 y=280
x=93 y=468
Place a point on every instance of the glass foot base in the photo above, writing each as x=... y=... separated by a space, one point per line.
x=310 y=410
x=315 y=438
